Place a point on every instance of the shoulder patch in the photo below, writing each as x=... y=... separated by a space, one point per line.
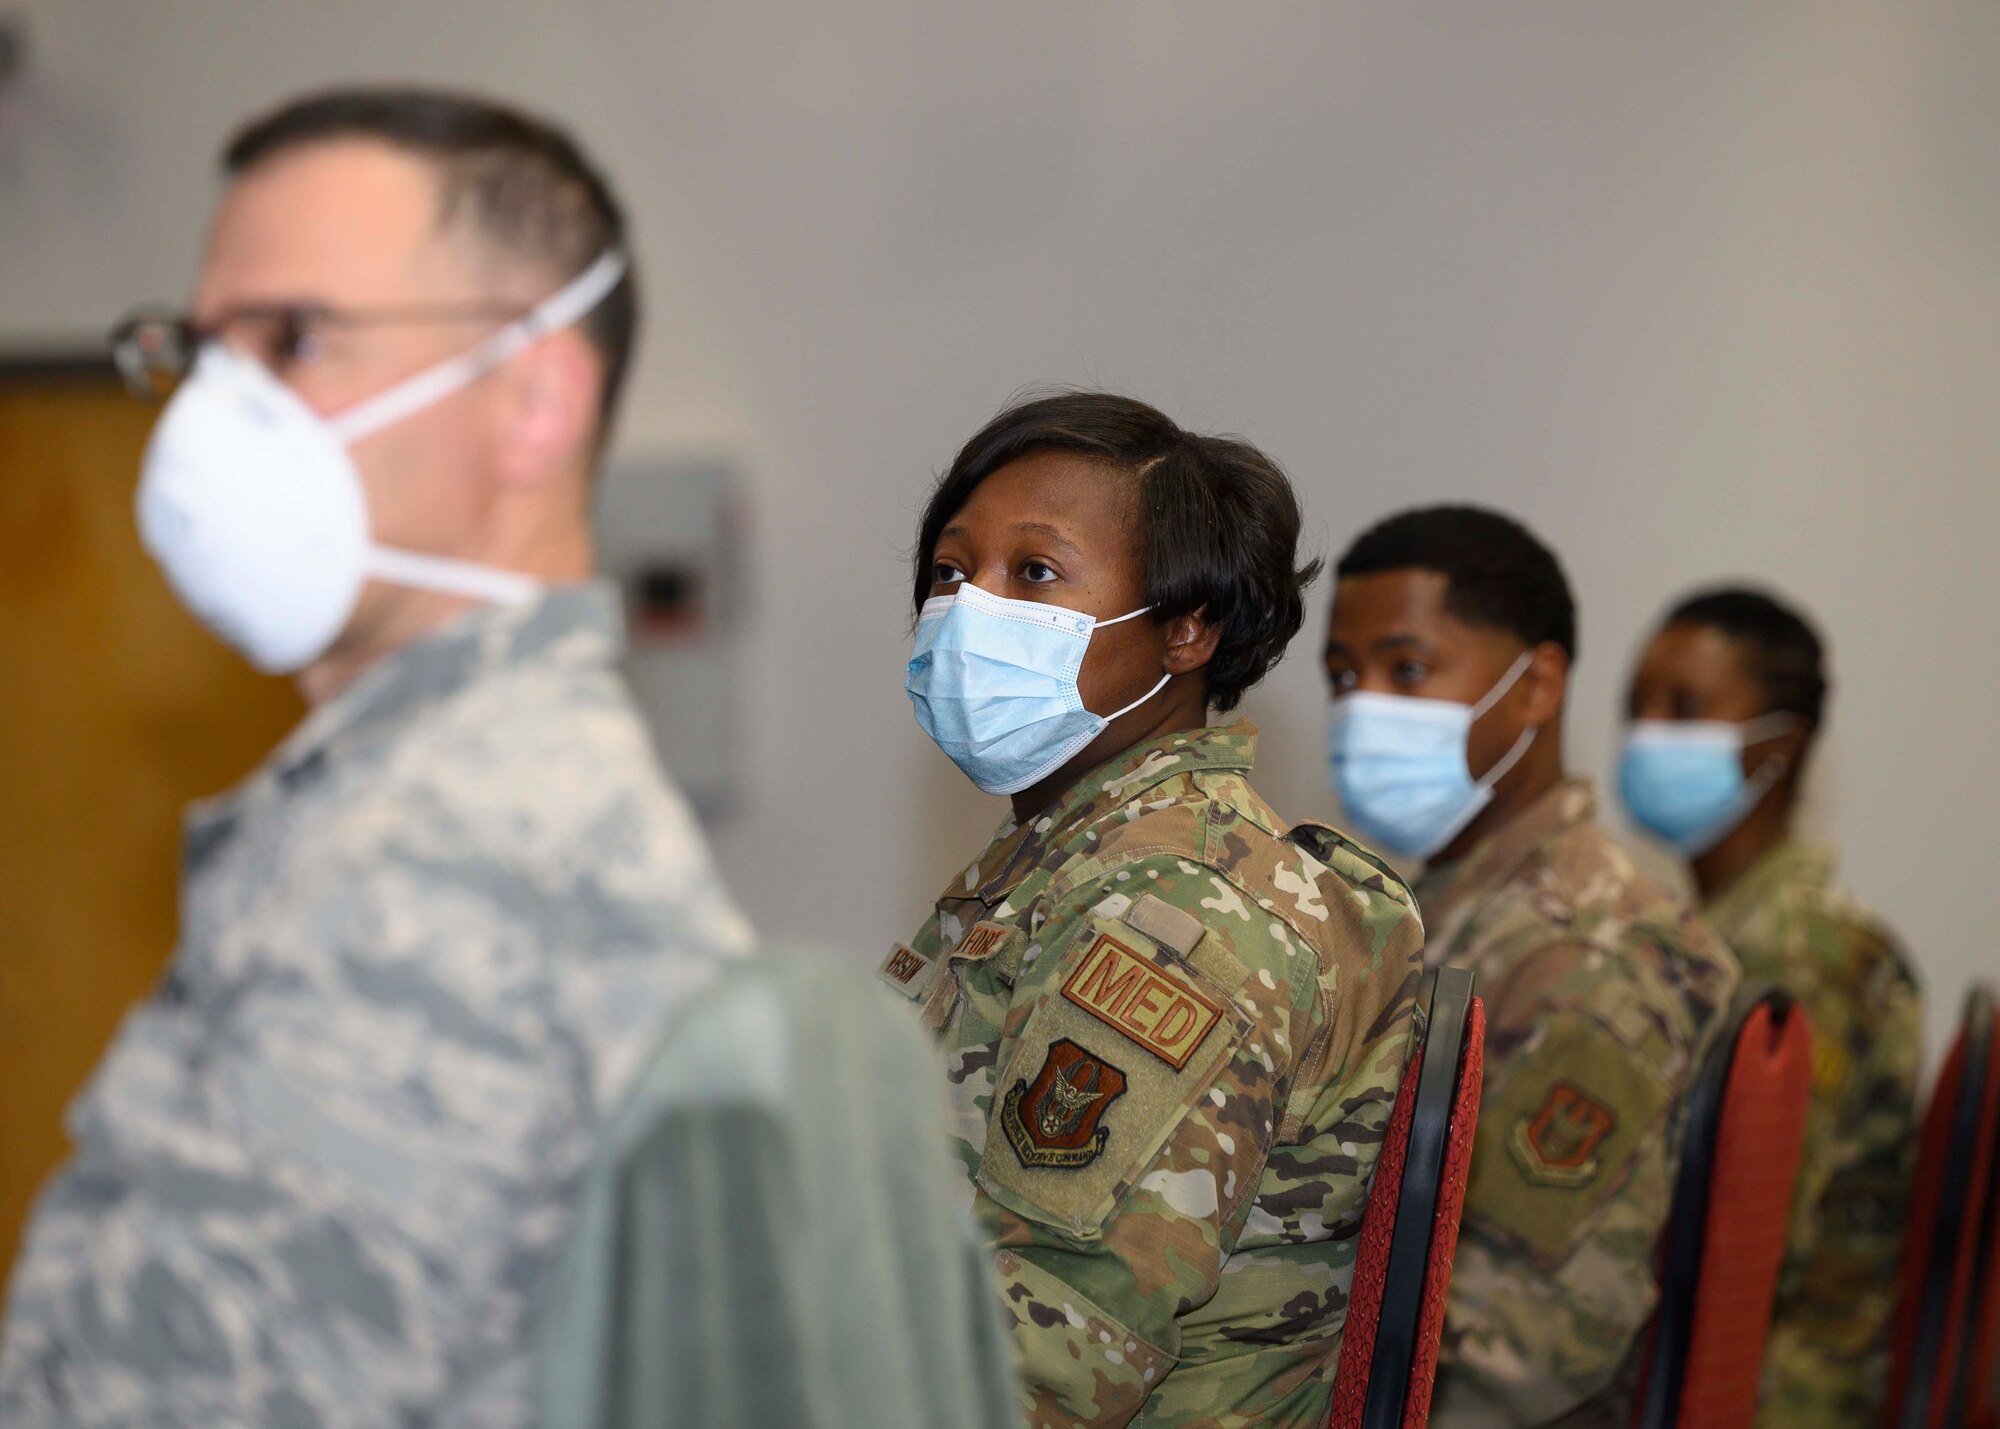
x=1556 y=1144
x=1054 y=1120
x=1143 y=1001
x=1563 y=1129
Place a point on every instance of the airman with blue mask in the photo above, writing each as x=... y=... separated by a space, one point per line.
x=1448 y=650
x=1724 y=709
x=1172 y=1024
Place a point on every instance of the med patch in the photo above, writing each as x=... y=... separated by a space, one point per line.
x=1055 y=1119
x=1143 y=1000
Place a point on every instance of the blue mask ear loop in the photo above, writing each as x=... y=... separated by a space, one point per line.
x=1492 y=697
x=1771 y=770
x=1117 y=620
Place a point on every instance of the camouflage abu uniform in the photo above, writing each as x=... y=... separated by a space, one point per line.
x=321 y=1173
x=1793 y=927
x=1173 y=1038
x=1601 y=989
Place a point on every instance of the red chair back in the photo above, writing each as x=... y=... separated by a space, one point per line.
x=1941 y=1368
x=1731 y=1218
x=1409 y=1233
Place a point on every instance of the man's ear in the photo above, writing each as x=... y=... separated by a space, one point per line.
x=549 y=410
x=1545 y=683
x=1191 y=642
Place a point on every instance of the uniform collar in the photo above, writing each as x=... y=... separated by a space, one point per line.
x=1450 y=894
x=1790 y=864
x=1018 y=848
x=574 y=625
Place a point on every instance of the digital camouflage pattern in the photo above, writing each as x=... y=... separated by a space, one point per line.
x=1602 y=989
x=1792 y=926
x=1173 y=1038
x=321 y=1174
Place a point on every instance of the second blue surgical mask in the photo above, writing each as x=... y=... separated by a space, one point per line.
x=994 y=682
x=1683 y=780
x=1398 y=763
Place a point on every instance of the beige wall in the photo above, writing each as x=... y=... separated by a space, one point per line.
x=1699 y=289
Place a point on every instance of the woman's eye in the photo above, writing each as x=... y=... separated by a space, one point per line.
x=1343 y=681
x=1039 y=572
x=1410 y=672
x=1685 y=705
x=945 y=573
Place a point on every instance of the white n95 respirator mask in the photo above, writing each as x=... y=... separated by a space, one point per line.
x=252 y=505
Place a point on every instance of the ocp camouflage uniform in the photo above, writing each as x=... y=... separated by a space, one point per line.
x=1601 y=990
x=1827 y=1362
x=1173 y=1034
x=320 y=1176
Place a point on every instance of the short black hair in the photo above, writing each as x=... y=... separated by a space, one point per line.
x=521 y=182
x=1497 y=573
x=1784 y=653
x=1218 y=520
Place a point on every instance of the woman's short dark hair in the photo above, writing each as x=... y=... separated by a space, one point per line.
x=1782 y=651
x=1218 y=521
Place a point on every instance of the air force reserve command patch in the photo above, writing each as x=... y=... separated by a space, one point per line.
x=1053 y=1120
x=1557 y=1143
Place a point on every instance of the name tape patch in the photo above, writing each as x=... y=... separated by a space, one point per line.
x=906 y=971
x=980 y=943
x=1151 y=1005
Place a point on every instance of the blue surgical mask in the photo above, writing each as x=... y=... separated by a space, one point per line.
x=1683 y=779
x=993 y=681
x=1399 y=765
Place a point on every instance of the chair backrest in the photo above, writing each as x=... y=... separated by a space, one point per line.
x=1941 y=1369
x=1396 y=1304
x=1731 y=1214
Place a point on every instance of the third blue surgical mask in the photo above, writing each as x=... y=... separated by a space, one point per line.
x=1399 y=765
x=1683 y=779
x=993 y=681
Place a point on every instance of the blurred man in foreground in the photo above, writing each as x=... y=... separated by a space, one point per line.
x=320 y=1175
x=1449 y=650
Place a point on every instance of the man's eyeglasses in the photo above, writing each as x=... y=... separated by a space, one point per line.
x=155 y=347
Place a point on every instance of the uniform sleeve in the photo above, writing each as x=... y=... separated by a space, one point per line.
x=695 y=1290
x=1571 y=1185
x=315 y=1201
x=1828 y=1358
x=1139 y=1112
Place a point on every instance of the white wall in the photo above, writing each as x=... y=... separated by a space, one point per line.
x=1700 y=290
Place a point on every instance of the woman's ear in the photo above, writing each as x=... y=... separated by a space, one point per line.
x=1788 y=747
x=1191 y=642
x=1545 y=683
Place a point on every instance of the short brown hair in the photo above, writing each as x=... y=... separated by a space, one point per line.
x=521 y=182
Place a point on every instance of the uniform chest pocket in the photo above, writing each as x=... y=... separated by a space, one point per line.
x=1106 y=1069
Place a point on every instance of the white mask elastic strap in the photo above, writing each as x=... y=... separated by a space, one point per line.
x=451 y=577
x=1769 y=726
x=1509 y=759
x=1143 y=698
x=561 y=308
x=1121 y=619
x=1507 y=680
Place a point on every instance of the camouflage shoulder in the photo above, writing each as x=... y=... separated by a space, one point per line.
x=1358 y=864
